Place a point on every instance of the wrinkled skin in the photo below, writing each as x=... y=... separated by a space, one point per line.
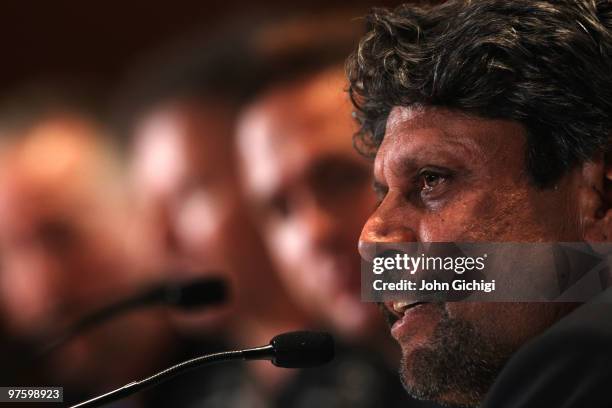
x=443 y=176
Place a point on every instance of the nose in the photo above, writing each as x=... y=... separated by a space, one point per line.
x=379 y=231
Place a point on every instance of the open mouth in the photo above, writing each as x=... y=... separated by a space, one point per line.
x=394 y=311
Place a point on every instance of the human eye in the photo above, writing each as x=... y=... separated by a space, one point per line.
x=432 y=181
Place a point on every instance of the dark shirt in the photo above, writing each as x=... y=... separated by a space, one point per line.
x=569 y=366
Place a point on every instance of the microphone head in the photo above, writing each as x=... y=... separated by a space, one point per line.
x=302 y=349
x=196 y=293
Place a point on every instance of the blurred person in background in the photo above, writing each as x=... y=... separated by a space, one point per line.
x=64 y=249
x=179 y=118
x=311 y=193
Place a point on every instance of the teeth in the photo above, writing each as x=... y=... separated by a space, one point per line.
x=400 y=307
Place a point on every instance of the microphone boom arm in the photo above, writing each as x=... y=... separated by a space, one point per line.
x=298 y=349
x=257 y=353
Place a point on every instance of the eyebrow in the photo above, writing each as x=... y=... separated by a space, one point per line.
x=456 y=149
x=460 y=143
x=449 y=138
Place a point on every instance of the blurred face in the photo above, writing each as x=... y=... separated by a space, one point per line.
x=190 y=201
x=49 y=261
x=311 y=193
x=62 y=252
x=55 y=253
x=185 y=186
x=442 y=176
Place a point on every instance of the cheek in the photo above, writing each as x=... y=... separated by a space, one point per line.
x=512 y=324
x=527 y=216
x=460 y=221
x=504 y=324
x=505 y=214
x=290 y=252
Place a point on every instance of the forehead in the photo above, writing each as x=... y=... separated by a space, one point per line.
x=189 y=128
x=290 y=129
x=58 y=154
x=418 y=131
x=178 y=141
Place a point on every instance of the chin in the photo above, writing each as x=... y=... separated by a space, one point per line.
x=455 y=364
x=420 y=388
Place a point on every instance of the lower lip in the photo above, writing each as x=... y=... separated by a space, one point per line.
x=413 y=321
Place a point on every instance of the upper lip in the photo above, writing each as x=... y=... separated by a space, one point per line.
x=398 y=308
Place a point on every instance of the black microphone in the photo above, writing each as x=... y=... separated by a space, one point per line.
x=290 y=350
x=190 y=295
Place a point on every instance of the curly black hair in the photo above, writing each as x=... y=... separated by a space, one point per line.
x=545 y=64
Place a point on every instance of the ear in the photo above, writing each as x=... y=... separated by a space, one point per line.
x=595 y=198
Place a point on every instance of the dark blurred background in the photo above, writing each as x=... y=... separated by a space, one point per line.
x=96 y=41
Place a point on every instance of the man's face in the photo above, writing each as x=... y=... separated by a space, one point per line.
x=196 y=221
x=63 y=251
x=55 y=254
x=312 y=193
x=185 y=188
x=442 y=176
